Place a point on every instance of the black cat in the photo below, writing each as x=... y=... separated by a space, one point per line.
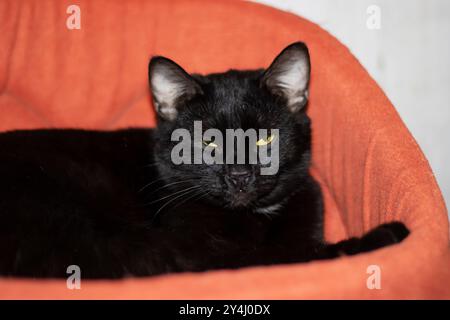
x=116 y=204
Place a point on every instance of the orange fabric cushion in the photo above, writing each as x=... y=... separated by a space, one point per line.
x=369 y=166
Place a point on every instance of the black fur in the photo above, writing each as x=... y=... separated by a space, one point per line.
x=113 y=202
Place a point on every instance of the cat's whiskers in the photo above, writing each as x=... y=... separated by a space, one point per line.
x=149 y=184
x=202 y=194
x=186 y=192
x=155 y=181
x=174 y=193
x=174 y=183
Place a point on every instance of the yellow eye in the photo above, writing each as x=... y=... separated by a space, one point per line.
x=211 y=144
x=264 y=142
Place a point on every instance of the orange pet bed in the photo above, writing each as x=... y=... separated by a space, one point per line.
x=369 y=166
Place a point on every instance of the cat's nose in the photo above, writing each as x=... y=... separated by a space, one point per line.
x=239 y=178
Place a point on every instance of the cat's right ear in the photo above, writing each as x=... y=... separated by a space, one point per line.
x=171 y=86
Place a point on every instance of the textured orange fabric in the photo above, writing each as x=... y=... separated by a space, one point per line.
x=369 y=166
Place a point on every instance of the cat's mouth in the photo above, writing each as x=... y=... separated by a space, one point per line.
x=240 y=200
x=247 y=196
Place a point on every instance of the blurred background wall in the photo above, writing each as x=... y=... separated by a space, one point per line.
x=405 y=46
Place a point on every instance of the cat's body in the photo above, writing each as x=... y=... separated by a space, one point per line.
x=83 y=198
x=115 y=203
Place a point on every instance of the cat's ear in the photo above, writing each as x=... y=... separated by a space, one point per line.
x=288 y=76
x=171 y=86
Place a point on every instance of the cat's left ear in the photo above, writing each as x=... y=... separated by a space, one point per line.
x=171 y=86
x=288 y=76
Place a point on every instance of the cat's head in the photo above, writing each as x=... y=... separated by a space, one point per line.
x=273 y=99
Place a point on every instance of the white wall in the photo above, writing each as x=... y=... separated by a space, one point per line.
x=409 y=56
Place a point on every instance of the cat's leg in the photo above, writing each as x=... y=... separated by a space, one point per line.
x=382 y=236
